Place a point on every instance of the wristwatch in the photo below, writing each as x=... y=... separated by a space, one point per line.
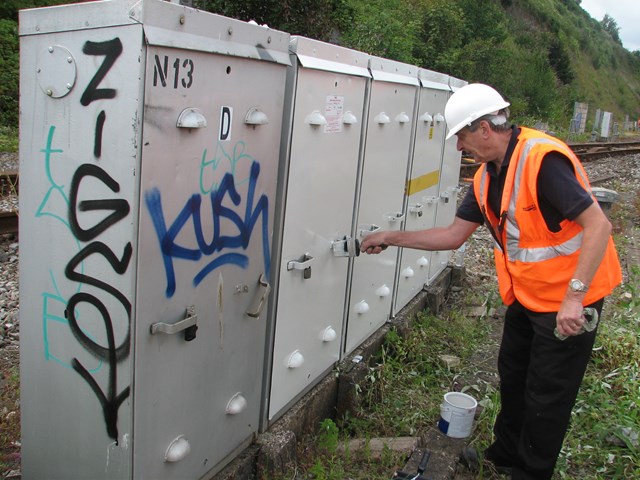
x=577 y=286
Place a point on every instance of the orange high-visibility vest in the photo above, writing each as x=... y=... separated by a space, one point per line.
x=534 y=264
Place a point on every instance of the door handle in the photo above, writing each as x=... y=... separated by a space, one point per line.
x=364 y=230
x=347 y=247
x=189 y=325
x=295 y=265
x=255 y=309
x=304 y=264
x=395 y=217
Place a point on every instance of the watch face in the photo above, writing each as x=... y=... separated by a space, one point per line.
x=577 y=285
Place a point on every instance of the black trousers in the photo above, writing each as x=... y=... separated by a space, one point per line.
x=539 y=381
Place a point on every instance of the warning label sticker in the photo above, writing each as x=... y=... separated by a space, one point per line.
x=333 y=110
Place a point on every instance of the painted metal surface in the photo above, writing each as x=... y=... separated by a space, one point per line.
x=190 y=205
x=147 y=207
x=206 y=224
x=78 y=245
x=327 y=88
x=387 y=151
x=448 y=189
x=422 y=188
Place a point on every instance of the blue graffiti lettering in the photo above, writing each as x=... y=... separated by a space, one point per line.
x=191 y=211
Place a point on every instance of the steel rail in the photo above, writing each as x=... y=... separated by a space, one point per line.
x=8 y=222
x=594 y=151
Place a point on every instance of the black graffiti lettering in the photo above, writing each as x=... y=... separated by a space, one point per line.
x=112 y=401
x=94 y=348
x=120 y=207
x=119 y=266
x=111 y=49
x=97 y=142
x=160 y=71
x=109 y=405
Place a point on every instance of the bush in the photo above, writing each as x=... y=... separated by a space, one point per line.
x=9 y=78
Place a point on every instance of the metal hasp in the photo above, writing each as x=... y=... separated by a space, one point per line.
x=416 y=208
x=255 y=309
x=303 y=264
x=347 y=247
x=189 y=325
x=364 y=230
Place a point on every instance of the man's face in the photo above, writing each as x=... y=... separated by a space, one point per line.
x=474 y=143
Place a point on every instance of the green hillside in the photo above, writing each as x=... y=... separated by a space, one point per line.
x=544 y=55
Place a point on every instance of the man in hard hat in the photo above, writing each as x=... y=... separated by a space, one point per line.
x=554 y=257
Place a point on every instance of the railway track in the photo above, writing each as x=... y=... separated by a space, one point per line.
x=585 y=151
x=8 y=186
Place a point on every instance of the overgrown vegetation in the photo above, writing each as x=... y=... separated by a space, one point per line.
x=403 y=392
x=542 y=55
x=403 y=389
x=9 y=419
x=604 y=435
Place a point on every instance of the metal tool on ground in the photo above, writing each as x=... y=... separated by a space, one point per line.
x=591 y=322
x=415 y=476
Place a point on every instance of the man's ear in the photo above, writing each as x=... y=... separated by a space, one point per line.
x=484 y=125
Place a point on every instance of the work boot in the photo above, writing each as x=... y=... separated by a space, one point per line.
x=470 y=459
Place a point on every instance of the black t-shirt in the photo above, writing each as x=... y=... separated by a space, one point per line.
x=559 y=193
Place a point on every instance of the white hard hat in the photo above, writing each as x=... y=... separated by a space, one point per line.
x=470 y=103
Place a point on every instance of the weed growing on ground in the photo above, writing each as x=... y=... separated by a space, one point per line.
x=8 y=139
x=400 y=395
x=403 y=390
x=9 y=418
x=603 y=439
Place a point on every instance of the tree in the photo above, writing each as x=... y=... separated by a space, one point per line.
x=560 y=61
x=9 y=77
x=610 y=26
x=319 y=19
x=385 y=28
x=443 y=35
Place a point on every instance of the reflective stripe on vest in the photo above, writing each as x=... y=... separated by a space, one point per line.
x=514 y=252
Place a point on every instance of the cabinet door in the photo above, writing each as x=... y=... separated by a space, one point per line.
x=319 y=210
x=208 y=184
x=386 y=157
x=423 y=201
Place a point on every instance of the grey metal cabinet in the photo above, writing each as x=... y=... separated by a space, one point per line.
x=327 y=89
x=149 y=154
x=415 y=269
x=387 y=151
x=447 y=187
